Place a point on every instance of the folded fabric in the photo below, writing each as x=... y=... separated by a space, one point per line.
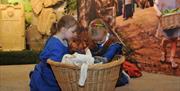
x=82 y=60
x=99 y=59
x=83 y=74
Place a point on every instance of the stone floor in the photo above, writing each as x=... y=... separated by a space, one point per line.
x=15 y=78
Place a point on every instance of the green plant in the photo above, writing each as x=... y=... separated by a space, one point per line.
x=27 y=9
x=26 y=4
x=71 y=6
x=19 y=57
x=170 y=11
x=3 y=1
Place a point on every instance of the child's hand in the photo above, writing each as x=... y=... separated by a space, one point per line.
x=99 y=59
x=88 y=52
x=86 y=49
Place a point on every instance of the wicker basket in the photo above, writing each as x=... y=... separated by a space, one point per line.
x=170 y=21
x=100 y=77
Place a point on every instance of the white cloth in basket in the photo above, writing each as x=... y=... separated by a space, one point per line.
x=82 y=60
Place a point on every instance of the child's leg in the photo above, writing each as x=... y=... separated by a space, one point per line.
x=158 y=30
x=173 y=48
x=124 y=11
x=173 y=52
x=32 y=85
x=163 y=49
x=33 y=89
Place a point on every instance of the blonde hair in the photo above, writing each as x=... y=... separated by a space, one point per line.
x=97 y=25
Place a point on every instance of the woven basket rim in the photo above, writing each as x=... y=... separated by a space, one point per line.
x=177 y=13
x=90 y=67
x=165 y=25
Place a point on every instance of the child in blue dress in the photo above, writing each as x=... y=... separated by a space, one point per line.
x=42 y=78
x=170 y=35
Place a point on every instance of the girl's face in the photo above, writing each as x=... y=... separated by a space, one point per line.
x=70 y=33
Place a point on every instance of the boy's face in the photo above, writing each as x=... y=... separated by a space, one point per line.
x=99 y=37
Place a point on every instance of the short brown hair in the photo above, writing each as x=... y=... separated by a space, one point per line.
x=66 y=21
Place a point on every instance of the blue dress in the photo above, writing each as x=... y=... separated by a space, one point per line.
x=42 y=78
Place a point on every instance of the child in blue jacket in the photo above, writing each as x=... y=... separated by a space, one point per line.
x=42 y=78
x=106 y=46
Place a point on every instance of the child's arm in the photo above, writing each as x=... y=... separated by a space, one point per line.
x=53 y=52
x=157 y=8
x=56 y=55
x=112 y=51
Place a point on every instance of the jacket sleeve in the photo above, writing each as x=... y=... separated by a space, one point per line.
x=113 y=50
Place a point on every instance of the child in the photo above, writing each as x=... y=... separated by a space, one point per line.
x=171 y=35
x=42 y=78
x=128 y=9
x=106 y=46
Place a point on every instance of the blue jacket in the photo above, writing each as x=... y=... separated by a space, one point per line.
x=112 y=50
